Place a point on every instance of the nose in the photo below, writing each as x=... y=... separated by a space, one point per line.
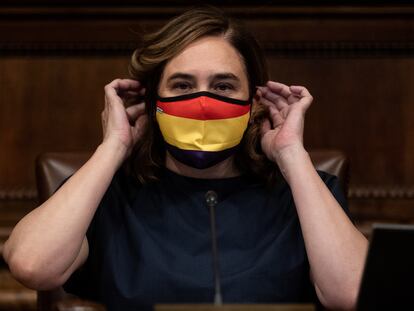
x=203 y=87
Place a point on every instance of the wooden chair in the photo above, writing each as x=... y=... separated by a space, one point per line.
x=53 y=168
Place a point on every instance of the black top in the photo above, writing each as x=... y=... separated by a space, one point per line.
x=151 y=243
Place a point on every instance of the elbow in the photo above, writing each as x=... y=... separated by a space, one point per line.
x=344 y=304
x=30 y=273
x=345 y=300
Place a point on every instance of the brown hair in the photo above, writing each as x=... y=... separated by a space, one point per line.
x=148 y=63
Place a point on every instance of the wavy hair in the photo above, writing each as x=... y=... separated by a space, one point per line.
x=148 y=62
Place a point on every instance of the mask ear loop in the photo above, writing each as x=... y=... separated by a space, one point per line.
x=151 y=103
x=252 y=96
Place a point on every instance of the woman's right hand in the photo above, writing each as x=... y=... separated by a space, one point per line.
x=39 y=253
x=123 y=127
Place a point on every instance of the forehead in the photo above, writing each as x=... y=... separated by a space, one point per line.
x=207 y=55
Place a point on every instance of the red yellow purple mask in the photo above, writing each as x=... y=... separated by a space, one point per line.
x=202 y=129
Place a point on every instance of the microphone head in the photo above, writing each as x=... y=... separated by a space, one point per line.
x=211 y=198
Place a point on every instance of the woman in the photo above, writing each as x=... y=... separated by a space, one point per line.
x=130 y=228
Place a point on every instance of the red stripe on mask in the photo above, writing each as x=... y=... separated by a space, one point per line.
x=203 y=108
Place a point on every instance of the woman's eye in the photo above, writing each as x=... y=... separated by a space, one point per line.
x=224 y=87
x=181 y=86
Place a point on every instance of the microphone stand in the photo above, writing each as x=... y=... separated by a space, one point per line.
x=211 y=201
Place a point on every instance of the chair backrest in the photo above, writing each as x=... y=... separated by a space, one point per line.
x=53 y=168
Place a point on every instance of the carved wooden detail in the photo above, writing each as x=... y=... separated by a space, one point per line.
x=395 y=192
x=356 y=59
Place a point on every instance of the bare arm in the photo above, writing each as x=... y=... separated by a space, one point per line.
x=45 y=246
x=49 y=243
x=335 y=248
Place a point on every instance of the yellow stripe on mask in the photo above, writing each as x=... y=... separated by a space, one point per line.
x=188 y=134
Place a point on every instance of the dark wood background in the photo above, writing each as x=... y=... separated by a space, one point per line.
x=357 y=60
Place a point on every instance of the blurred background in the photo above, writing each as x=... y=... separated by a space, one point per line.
x=356 y=58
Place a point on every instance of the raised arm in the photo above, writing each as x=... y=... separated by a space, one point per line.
x=50 y=243
x=336 y=249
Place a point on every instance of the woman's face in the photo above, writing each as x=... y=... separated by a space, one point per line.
x=208 y=64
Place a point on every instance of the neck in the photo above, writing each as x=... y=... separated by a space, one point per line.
x=224 y=169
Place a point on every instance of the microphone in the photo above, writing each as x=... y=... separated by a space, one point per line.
x=211 y=201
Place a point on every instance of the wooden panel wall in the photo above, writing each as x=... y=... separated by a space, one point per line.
x=357 y=60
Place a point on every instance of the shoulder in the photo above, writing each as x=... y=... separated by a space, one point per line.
x=327 y=178
x=123 y=185
x=332 y=181
x=337 y=188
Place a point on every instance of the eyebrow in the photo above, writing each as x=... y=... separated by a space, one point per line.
x=180 y=75
x=225 y=76
x=217 y=76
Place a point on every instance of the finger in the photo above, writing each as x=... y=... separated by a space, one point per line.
x=118 y=90
x=125 y=84
x=131 y=98
x=134 y=111
x=273 y=112
x=111 y=95
x=276 y=99
x=276 y=117
x=266 y=126
x=259 y=90
x=300 y=90
x=279 y=88
x=294 y=98
x=273 y=98
x=258 y=94
x=139 y=127
x=279 y=104
x=119 y=86
x=303 y=94
x=266 y=102
x=129 y=93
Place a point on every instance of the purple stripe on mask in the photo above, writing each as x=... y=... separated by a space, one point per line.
x=200 y=159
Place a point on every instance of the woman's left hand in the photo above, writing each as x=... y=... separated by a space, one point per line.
x=287 y=107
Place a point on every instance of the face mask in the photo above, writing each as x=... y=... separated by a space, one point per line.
x=202 y=129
